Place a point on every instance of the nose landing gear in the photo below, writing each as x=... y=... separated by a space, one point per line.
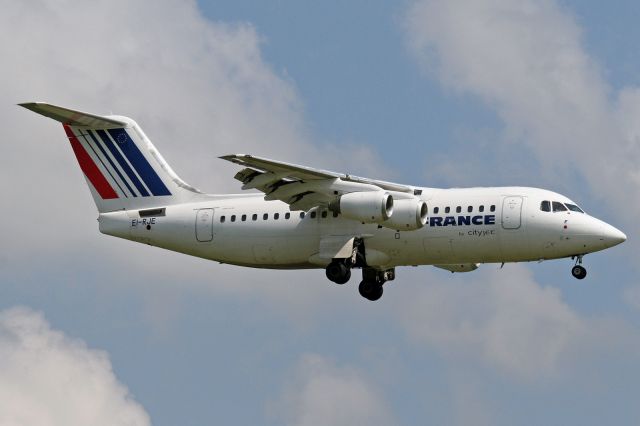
x=578 y=271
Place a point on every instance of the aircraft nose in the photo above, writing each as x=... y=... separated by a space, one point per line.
x=612 y=236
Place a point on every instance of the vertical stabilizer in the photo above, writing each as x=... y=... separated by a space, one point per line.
x=122 y=167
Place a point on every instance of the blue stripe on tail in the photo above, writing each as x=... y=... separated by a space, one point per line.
x=99 y=145
x=123 y=163
x=139 y=162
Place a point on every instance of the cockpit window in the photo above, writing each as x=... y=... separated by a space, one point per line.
x=574 y=208
x=558 y=207
x=545 y=206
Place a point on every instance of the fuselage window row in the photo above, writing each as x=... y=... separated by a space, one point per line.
x=436 y=210
x=276 y=216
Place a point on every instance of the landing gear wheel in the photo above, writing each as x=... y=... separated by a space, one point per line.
x=370 y=290
x=338 y=272
x=579 y=272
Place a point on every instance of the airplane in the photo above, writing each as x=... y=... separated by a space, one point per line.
x=304 y=218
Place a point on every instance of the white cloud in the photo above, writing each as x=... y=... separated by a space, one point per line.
x=322 y=393
x=526 y=60
x=47 y=378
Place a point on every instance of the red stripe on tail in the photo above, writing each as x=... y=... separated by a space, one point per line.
x=89 y=168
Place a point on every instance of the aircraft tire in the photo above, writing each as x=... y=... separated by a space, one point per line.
x=579 y=272
x=370 y=291
x=338 y=272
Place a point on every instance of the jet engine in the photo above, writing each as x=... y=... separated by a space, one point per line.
x=408 y=215
x=367 y=207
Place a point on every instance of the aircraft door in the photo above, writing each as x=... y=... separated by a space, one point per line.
x=204 y=225
x=511 y=212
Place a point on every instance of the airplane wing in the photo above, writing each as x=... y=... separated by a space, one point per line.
x=304 y=187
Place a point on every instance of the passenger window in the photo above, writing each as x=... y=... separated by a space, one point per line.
x=222 y=219
x=458 y=209
x=469 y=209
x=254 y=217
x=545 y=206
x=335 y=214
x=276 y=216
x=301 y=215
x=574 y=208
x=324 y=213
x=287 y=215
x=233 y=218
x=493 y=208
x=481 y=209
x=558 y=207
x=265 y=216
x=244 y=217
x=436 y=210
x=313 y=214
x=447 y=209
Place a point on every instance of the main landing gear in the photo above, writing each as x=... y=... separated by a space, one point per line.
x=339 y=271
x=578 y=271
x=372 y=280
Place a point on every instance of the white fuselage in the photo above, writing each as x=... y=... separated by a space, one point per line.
x=464 y=226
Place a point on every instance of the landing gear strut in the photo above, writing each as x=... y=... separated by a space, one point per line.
x=372 y=280
x=578 y=271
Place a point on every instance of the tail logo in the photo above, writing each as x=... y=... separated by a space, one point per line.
x=114 y=167
x=121 y=138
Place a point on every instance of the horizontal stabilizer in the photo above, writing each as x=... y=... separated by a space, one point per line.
x=72 y=117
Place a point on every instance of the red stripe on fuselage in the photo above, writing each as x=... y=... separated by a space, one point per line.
x=89 y=168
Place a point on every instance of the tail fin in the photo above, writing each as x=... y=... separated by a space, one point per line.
x=122 y=167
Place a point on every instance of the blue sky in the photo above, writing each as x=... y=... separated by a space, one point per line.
x=536 y=93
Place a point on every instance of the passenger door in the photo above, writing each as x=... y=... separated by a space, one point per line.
x=204 y=225
x=511 y=212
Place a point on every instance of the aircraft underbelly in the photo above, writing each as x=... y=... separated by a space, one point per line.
x=257 y=251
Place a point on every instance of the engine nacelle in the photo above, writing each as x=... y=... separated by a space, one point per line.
x=408 y=215
x=367 y=207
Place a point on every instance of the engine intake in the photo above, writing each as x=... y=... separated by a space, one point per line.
x=367 y=207
x=408 y=215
